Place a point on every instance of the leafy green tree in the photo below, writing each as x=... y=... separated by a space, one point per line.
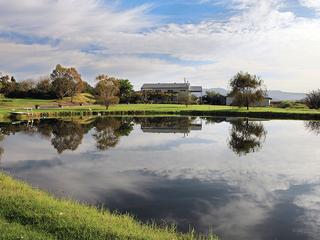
x=107 y=90
x=66 y=82
x=312 y=99
x=125 y=90
x=43 y=88
x=246 y=89
x=7 y=84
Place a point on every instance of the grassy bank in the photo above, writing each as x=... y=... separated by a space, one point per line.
x=27 y=213
x=18 y=105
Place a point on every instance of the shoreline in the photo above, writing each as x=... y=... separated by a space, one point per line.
x=138 y=110
x=29 y=213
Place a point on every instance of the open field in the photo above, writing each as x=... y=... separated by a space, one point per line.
x=27 y=213
x=50 y=109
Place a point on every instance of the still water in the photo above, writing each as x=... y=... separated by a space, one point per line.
x=242 y=179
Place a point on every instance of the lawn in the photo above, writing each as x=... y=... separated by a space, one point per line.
x=27 y=213
x=18 y=105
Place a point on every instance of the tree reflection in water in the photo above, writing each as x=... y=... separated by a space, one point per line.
x=68 y=135
x=246 y=136
x=313 y=126
x=109 y=131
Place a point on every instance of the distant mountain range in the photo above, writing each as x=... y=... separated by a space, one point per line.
x=276 y=95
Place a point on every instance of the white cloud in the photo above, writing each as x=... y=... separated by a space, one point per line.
x=314 y=4
x=260 y=37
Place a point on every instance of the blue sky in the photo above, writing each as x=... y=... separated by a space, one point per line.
x=206 y=41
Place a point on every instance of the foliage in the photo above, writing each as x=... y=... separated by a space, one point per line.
x=43 y=88
x=214 y=98
x=291 y=104
x=137 y=97
x=246 y=89
x=107 y=90
x=7 y=84
x=184 y=98
x=66 y=82
x=312 y=99
x=286 y=104
x=87 y=88
x=125 y=90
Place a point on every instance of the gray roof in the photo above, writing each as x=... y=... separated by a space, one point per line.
x=195 y=89
x=165 y=86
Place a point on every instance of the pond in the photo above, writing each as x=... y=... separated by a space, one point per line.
x=240 y=178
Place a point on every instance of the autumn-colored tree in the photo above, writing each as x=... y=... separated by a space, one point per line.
x=246 y=89
x=107 y=90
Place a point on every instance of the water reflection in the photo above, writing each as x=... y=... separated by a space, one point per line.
x=170 y=125
x=271 y=192
x=109 y=131
x=313 y=126
x=246 y=136
x=68 y=134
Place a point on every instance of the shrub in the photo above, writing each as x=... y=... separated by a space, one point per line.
x=312 y=99
x=286 y=104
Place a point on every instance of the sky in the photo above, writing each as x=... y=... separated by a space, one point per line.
x=205 y=41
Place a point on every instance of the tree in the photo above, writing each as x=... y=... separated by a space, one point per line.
x=87 y=88
x=43 y=88
x=246 y=89
x=7 y=84
x=312 y=99
x=214 y=98
x=246 y=136
x=107 y=90
x=184 y=98
x=66 y=82
x=125 y=90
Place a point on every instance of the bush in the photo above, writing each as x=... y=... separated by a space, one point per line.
x=312 y=99
x=286 y=104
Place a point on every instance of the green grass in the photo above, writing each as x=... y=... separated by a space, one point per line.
x=17 y=105
x=27 y=213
